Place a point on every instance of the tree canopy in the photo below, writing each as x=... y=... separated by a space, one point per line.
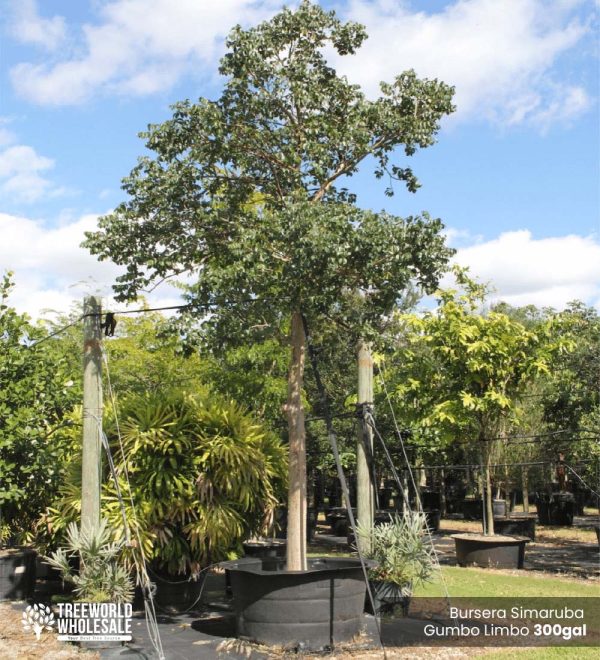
x=229 y=192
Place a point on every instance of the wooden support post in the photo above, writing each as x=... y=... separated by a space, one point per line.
x=91 y=463
x=365 y=488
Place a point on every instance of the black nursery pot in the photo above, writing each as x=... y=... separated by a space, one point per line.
x=472 y=509
x=17 y=573
x=311 y=609
x=516 y=526
x=490 y=551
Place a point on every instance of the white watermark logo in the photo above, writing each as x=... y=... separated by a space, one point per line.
x=38 y=618
x=105 y=622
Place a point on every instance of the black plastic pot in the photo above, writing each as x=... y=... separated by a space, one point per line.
x=281 y=519
x=338 y=521
x=266 y=548
x=311 y=609
x=516 y=526
x=499 y=508
x=386 y=595
x=556 y=509
x=430 y=499
x=17 y=573
x=562 y=509
x=543 y=511
x=433 y=520
x=472 y=508
x=490 y=551
x=176 y=594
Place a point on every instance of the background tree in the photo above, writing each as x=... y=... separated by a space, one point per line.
x=243 y=193
x=37 y=393
x=471 y=369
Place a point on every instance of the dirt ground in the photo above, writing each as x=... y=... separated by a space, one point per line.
x=19 y=644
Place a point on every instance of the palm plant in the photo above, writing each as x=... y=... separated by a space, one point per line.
x=101 y=576
x=203 y=477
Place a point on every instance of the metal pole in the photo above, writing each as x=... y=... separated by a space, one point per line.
x=91 y=463
x=365 y=501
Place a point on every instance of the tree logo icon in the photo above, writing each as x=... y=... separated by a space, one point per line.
x=37 y=618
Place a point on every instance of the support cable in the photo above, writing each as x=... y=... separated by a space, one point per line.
x=144 y=579
x=581 y=480
x=340 y=470
x=417 y=495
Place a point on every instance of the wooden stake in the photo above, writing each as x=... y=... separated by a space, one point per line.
x=91 y=463
x=296 y=532
x=365 y=500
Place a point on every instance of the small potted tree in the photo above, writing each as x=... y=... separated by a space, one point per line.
x=403 y=558
x=472 y=368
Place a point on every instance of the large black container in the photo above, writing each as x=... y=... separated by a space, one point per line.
x=433 y=520
x=175 y=593
x=490 y=551
x=337 y=519
x=281 y=520
x=472 y=508
x=556 y=509
x=516 y=526
x=386 y=596
x=311 y=609
x=430 y=499
x=499 y=508
x=17 y=573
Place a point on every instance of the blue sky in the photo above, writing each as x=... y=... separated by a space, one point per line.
x=514 y=175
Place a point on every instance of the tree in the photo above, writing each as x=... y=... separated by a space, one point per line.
x=243 y=193
x=36 y=394
x=468 y=370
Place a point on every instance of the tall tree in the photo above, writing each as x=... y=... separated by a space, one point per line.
x=247 y=193
x=467 y=371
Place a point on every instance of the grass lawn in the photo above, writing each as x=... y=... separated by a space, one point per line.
x=486 y=582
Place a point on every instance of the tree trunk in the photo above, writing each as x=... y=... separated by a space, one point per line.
x=296 y=534
x=442 y=486
x=507 y=490
x=489 y=509
x=525 y=485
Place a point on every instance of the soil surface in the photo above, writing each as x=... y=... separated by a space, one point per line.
x=19 y=644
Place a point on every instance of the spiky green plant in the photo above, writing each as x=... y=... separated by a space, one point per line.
x=402 y=550
x=101 y=576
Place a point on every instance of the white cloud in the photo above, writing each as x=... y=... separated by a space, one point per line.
x=544 y=272
x=138 y=47
x=29 y=27
x=52 y=271
x=20 y=173
x=499 y=55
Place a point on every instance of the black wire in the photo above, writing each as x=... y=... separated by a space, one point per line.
x=57 y=332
